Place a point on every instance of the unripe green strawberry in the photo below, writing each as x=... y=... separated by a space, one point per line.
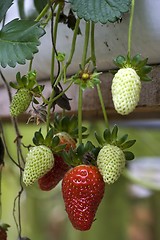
x=111 y=162
x=20 y=102
x=126 y=87
x=39 y=161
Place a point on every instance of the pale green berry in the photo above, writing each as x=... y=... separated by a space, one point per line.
x=20 y=102
x=111 y=162
x=39 y=161
x=126 y=87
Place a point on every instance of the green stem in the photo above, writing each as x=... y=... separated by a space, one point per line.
x=80 y=101
x=93 y=57
x=130 y=28
x=55 y=39
x=102 y=106
x=80 y=96
x=71 y=52
x=85 y=48
x=41 y=15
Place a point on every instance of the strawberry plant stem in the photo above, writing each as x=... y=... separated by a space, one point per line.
x=54 y=42
x=93 y=58
x=80 y=97
x=102 y=106
x=71 y=53
x=0 y=192
x=130 y=28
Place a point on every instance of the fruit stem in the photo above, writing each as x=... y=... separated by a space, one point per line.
x=102 y=106
x=93 y=57
x=80 y=97
x=130 y=28
x=54 y=39
x=41 y=15
x=71 y=52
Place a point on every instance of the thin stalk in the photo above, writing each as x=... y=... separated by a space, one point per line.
x=93 y=57
x=80 y=96
x=41 y=15
x=54 y=39
x=130 y=27
x=73 y=46
x=102 y=106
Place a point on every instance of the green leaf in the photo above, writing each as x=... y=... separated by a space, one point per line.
x=120 y=61
x=129 y=155
x=128 y=144
x=107 y=135
x=40 y=5
x=122 y=140
x=114 y=133
x=38 y=138
x=100 y=10
x=4 y=6
x=99 y=139
x=19 y=41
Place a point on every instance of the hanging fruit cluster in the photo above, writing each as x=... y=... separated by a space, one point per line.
x=85 y=169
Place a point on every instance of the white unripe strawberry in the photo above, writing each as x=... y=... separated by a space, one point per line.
x=39 y=161
x=20 y=102
x=126 y=87
x=111 y=162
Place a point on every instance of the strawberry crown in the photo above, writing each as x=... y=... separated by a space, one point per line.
x=137 y=63
x=50 y=141
x=28 y=82
x=84 y=154
x=68 y=124
x=111 y=137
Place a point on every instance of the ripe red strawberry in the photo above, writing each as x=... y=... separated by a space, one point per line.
x=83 y=190
x=55 y=175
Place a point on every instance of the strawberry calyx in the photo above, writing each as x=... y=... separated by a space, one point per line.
x=4 y=226
x=111 y=137
x=68 y=124
x=28 y=82
x=84 y=154
x=86 y=78
x=136 y=63
x=50 y=141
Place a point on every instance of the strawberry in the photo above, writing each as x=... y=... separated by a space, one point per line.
x=126 y=87
x=83 y=190
x=112 y=158
x=20 y=102
x=126 y=84
x=39 y=161
x=3 y=231
x=55 y=175
x=111 y=162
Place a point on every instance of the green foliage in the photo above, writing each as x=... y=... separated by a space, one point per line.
x=100 y=10
x=137 y=63
x=111 y=137
x=4 y=6
x=19 y=41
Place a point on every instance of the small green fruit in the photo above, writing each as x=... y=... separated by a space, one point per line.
x=126 y=87
x=39 y=161
x=20 y=102
x=111 y=162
